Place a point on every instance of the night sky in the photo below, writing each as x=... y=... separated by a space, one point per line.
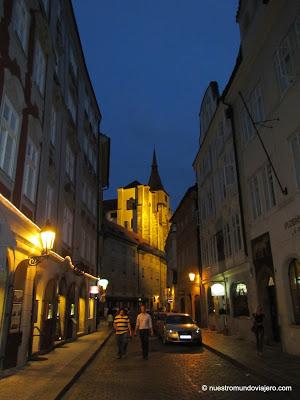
x=150 y=62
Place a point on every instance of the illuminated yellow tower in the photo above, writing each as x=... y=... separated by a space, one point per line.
x=145 y=209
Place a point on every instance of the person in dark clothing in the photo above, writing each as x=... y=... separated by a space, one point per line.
x=258 y=329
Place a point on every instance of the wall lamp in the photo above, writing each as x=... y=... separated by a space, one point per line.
x=47 y=236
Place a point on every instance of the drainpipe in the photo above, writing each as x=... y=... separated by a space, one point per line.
x=230 y=115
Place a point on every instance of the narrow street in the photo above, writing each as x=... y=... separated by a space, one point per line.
x=172 y=372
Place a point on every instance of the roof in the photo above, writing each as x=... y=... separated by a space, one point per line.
x=155 y=182
x=190 y=190
x=132 y=184
x=124 y=234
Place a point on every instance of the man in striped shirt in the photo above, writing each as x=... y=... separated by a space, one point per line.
x=123 y=329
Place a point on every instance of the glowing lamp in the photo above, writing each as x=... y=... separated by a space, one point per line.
x=192 y=276
x=94 y=290
x=103 y=283
x=47 y=237
x=217 y=289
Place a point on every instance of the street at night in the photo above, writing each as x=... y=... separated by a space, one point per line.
x=173 y=372
x=149 y=199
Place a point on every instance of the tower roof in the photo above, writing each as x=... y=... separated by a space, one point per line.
x=155 y=182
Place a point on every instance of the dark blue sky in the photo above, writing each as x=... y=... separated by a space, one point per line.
x=150 y=62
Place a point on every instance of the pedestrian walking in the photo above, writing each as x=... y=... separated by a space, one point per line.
x=123 y=331
x=144 y=326
x=258 y=329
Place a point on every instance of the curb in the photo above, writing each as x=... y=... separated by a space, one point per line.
x=64 y=390
x=250 y=370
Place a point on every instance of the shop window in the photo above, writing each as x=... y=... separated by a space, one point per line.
x=91 y=308
x=239 y=299
x=294 y=276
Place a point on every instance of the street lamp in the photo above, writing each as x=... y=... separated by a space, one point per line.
x=103 y=283
x=192 y=276
x=47 y=235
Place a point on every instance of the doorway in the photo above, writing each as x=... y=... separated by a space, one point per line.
x=49 y=316
x=71 y=312
x=15 y=334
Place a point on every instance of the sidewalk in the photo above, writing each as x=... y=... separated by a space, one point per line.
x=274 y=366
x=47 y=377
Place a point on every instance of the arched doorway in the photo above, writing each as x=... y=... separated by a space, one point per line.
x=49 y=316
x=61 y=310
x=82 y=309
x=15 y=297
x=71 y=312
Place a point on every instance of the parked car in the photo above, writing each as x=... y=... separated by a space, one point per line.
x=179 y=328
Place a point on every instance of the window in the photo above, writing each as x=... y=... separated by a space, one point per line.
x=70 y=163
x=9 y=137
x=269 y=190
x=237 y=238
x=294 y=275
x=71 y=105
x=229 y=168
x=39 y=69
x=73 y=64
x=67 y=234
x=220 y=246
x=255 y=197
x=239 y=299
x=256 y=108
x=53 y=126
x=284 y=65
x=49 y=202
x=46 y=6
x=21 y=22
x=295 y=146
x=31 y=170
x=227 y=240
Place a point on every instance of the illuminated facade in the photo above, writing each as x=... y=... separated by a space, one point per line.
x=134 y=240
x=50 y=169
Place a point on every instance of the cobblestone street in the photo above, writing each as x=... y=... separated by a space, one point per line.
x=172 y=372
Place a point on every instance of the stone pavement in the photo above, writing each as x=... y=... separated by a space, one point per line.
x=52 y=372
x=274 y=365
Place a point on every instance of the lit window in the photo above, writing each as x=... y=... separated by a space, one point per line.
x=31 y=170
x=9 y=137
x=39 y=69
x=21 y=22
x=239 y=299
x=67 y=234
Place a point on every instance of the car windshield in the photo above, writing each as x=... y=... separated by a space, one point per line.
x=179 y=319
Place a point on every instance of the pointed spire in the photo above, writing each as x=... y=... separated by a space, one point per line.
x=155 y=182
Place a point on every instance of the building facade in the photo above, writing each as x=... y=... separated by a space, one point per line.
x=134 y=235
x=262 y=101
x=185 y=266
x=50 y=169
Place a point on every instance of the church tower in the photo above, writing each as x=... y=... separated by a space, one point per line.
x=161 y=213
x=145 y=208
